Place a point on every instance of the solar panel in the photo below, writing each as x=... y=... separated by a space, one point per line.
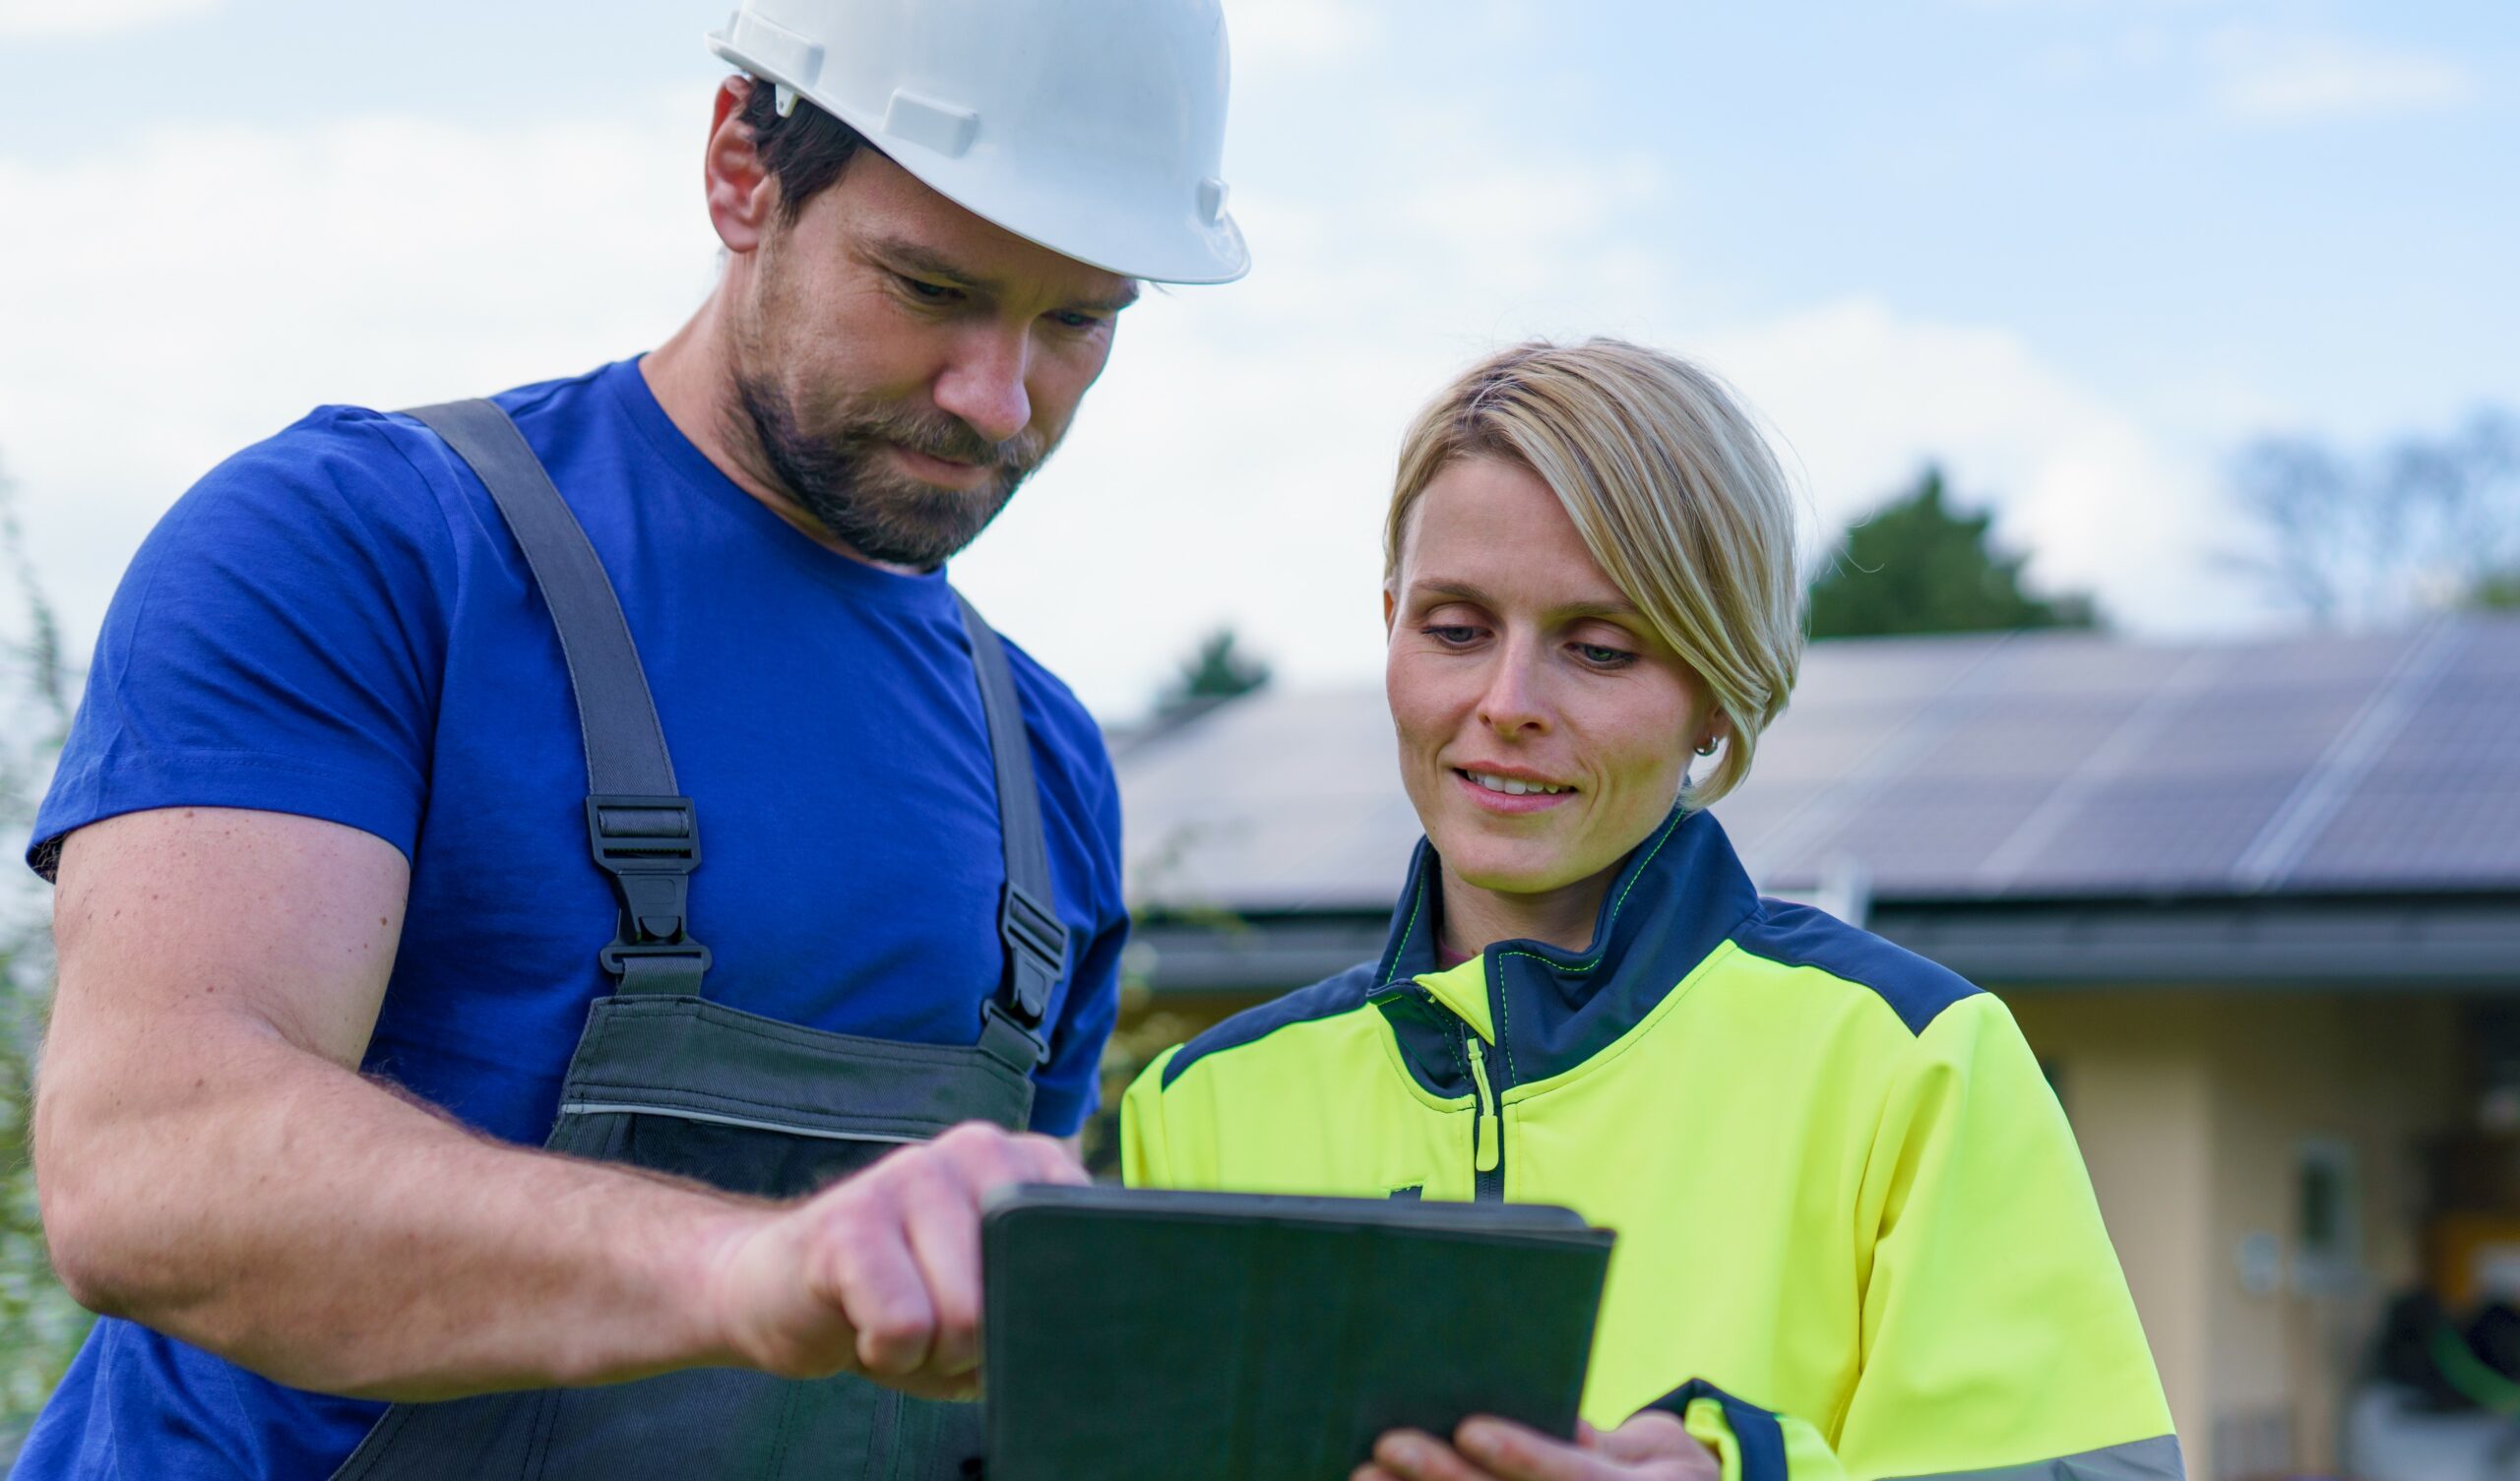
x=2041 y=764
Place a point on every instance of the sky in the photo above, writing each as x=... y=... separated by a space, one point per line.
x=2077 y=252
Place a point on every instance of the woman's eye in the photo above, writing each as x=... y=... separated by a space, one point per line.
x=1601 y=655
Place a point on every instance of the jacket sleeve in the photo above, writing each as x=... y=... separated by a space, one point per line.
x=1145 y=1153
x=1999 y=1341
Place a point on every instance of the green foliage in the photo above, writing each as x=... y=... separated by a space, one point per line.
x=1918 y=565
x=1147 y=1024
x=2494 y=591
x=40 y=1326
x=1215 y=673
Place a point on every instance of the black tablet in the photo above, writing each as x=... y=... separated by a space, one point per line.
x=1172 y=1337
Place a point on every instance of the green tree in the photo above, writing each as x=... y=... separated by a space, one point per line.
x=1215 y=671
x=1916 y=564
x=2497 y=592
x=40 y=1326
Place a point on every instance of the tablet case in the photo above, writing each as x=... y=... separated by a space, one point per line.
x=1135 y=1335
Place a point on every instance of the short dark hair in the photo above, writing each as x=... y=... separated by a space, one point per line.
x=806 y=152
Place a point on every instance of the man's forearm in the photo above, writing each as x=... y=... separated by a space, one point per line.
x=311 y=1225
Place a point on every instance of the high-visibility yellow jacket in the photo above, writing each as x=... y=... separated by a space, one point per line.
x=1854 y=1236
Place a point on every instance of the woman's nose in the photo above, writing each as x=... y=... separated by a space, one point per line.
x=1513 y=701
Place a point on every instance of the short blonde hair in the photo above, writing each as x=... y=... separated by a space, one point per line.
x=1674 y=492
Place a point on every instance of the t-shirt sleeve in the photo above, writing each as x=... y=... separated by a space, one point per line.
x=275 y=644
x=1069 y=1088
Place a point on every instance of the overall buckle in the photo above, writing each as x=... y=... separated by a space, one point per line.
x=648 y=846
x=1035 y=954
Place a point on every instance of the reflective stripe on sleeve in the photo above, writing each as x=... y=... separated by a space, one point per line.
x=2154 y=1459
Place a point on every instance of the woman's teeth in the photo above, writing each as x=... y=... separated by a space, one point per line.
x=1513 y=788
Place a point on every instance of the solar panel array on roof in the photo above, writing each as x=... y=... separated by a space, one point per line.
x=2057 y=765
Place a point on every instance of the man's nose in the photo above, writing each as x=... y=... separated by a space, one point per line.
x=985 y=385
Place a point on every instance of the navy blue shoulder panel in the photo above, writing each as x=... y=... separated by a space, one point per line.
x=1326 y=999
x=1916 y=990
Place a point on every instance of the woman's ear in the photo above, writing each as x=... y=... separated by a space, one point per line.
x=1389 y=607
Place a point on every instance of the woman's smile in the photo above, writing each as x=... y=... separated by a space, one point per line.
x=1512 y=794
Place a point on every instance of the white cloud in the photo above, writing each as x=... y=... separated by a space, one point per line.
x=88 y=18
x=382 y=261
x=2279 y=77
x=1863 y=398
x=1234 y=463
x=1302 y=32
x=1231 y=467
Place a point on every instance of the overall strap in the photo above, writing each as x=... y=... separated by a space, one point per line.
x=644 y=834
x=1027 y=920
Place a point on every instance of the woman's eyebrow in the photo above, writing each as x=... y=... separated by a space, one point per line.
x=1456 y=590
x=1616 y=606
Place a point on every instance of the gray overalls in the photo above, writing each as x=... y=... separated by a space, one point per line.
x=666 y=1079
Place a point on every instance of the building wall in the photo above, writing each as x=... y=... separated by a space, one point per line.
x=2193 y=1110
x=2136 y=1076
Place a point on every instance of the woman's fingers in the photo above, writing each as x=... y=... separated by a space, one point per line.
x=1652 y=1446
x=1416 y=1455
x=1511 y=1452
x=1653 y=1435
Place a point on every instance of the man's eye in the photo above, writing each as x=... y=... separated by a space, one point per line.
x=1452 y=637
x=933 y=293
x=1079 y=322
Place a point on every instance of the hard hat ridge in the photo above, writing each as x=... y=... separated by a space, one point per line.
x=1093 y=127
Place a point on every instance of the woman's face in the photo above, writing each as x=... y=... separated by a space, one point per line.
x=1543 y=729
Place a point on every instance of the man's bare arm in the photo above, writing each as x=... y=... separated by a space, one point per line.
x=212 y=1164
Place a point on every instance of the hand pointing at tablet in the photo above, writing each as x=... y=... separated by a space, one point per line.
x=880 y=1275
x=1650 y=1447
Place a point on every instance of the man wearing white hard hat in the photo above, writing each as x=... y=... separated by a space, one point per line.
x=425 y=1099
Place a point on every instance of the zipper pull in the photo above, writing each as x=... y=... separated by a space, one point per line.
x=1486 y=1135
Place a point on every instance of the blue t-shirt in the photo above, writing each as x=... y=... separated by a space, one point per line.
x=336 y=623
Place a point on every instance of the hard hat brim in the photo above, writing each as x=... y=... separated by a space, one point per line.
x=1157 y=247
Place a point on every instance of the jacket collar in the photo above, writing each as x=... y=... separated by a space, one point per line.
x=1677 y=898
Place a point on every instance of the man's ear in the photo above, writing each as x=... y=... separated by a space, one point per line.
x=743 y=194
x=1390 y=609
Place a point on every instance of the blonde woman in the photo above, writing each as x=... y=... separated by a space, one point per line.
x=1856 y=1238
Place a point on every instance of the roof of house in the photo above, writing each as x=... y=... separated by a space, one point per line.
x=2018 y=770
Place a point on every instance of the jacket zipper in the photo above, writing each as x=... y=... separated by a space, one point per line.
x=1486 y=1122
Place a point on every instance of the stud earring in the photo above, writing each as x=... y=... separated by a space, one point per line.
x=1707 y=750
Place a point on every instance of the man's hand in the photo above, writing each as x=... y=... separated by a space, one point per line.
x=880 y=1275
x=1650 y=1447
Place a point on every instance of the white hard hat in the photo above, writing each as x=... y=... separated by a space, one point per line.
x=1093 y=127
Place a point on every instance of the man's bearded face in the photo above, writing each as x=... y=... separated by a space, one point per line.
x=838 y=469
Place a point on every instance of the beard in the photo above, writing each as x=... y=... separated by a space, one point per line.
x=836 y=473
